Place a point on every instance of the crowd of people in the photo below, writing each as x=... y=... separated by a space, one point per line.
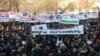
x=16 y=40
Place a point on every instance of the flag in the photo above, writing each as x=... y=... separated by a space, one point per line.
x=4 y=15
x=39 y=27
x=12 y=15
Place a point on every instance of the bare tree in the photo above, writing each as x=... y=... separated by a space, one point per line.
x=9 y=5
x=71 y=6
x=46 y=5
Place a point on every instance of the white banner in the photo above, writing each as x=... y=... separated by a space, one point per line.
x=81 y=16
x=4 y=16
x=47 y=18
x=44 y=18
x=40 y=27
x=76 y=30
x=92 y=15
x=23 y=17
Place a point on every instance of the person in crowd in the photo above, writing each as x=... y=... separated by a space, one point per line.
x=16 y=40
